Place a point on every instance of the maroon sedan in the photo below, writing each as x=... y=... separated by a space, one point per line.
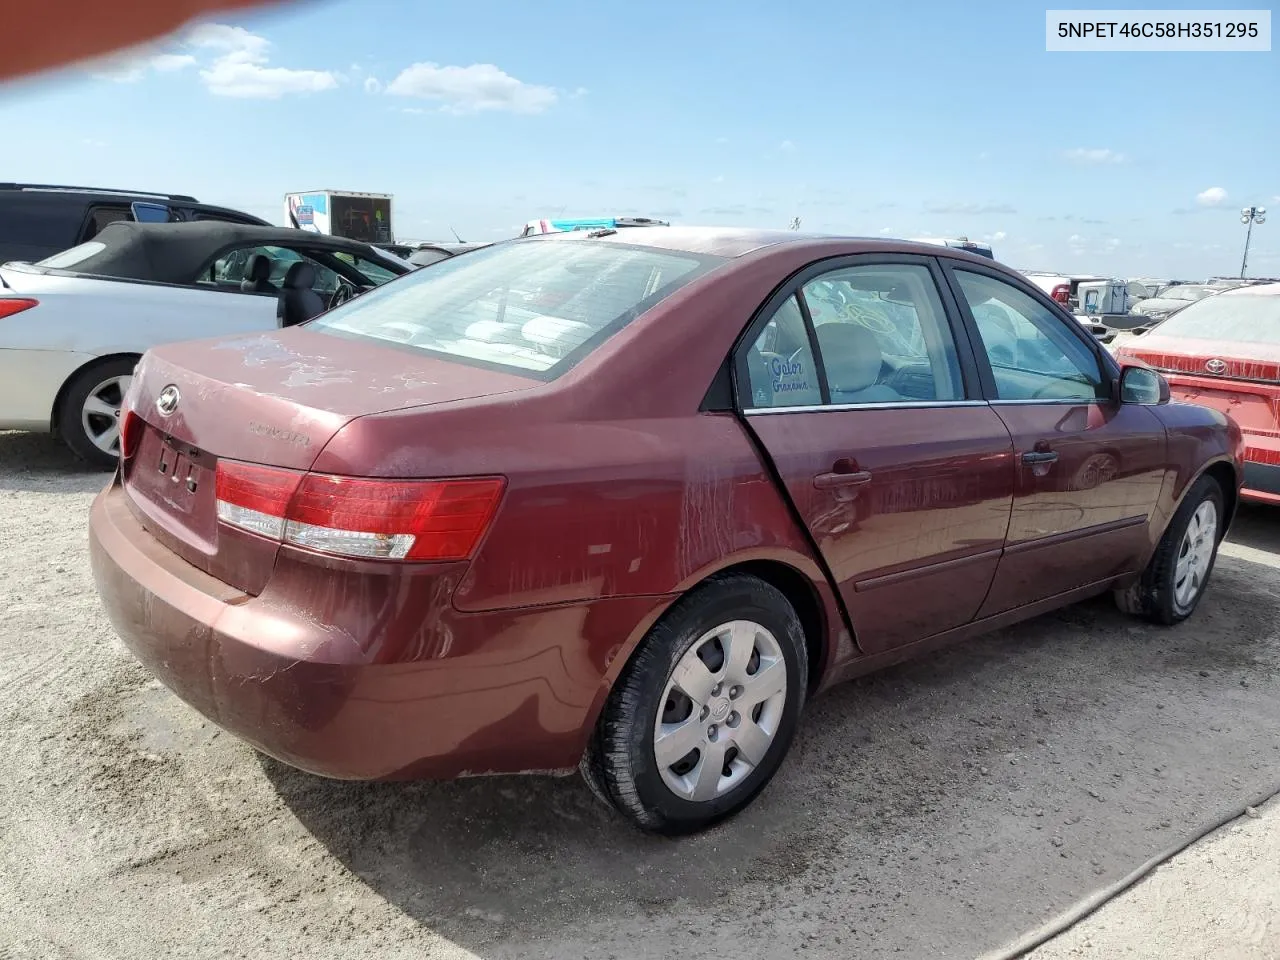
x=624 y=501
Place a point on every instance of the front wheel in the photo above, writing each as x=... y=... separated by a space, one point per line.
x=1173 y=583
x=703 y=715
x=89 y=419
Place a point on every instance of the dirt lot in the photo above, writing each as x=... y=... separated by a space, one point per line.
x=937 y=810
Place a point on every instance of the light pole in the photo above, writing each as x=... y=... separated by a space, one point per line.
x=1250 y=215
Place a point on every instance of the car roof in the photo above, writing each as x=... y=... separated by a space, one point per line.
x=175 y=252
x=1253 y=290
x=733 y=242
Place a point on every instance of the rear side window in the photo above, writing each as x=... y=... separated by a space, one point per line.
x=780 y=368
x=101 y=216
x=883 y=335
x=537 y=306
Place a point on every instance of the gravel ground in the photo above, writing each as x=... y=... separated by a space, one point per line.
x=939 y=809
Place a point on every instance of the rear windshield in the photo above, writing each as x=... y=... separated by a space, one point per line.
x=536 y=306
x=1240 y=317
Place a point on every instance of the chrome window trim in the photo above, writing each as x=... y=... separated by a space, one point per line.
x=1077 y=401
x=892 y=405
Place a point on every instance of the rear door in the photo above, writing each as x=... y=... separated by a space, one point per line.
x=855 y=384
x=1089 y=469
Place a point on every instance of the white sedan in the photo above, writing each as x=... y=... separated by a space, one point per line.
x=73 y=326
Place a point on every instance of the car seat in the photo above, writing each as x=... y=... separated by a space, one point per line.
x=853 y=361
x=298 y=302
x=257 y=276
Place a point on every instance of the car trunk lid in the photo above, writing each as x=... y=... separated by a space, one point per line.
x=274 y=399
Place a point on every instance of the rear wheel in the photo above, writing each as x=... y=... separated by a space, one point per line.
x=1173 y=583
x=703 y=715
x=89 y=418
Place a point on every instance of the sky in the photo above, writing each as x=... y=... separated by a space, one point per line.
x=903 y=119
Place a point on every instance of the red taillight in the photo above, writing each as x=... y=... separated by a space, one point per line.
x=376 y=519
x=1062 y=293
x=11 y=305
x=255 y=498
x=130 y=434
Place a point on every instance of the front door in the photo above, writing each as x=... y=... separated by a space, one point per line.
x=1089 y=469
x=853 y=385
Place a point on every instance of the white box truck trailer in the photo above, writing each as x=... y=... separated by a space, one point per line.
x=341 y=213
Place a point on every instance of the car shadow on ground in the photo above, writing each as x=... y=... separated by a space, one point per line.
x=38 y=462
x=1258 y=527
x=938 y=808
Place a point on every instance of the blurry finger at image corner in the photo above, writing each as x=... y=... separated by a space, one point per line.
x=46 y=36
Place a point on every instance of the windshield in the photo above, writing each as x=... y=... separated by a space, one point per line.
x=535 y=306
x=1242 y=317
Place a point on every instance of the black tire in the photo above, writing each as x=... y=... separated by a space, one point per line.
x=1154 y=596
x=621 y=766
x=79 y=389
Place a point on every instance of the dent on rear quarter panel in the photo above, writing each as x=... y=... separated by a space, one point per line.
x=630 y=508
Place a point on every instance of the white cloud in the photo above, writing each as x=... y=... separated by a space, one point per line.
x=578 y=93
x=169 y=62
x=134 y=64
x=786 y=145
x=1213 y=197
x=240 y=69
x=1094 y=155
x=222 y=36
x=998 y=236
x=372 y=85
x=887 y=231
x=473 y=89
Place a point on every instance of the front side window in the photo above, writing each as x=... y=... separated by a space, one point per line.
x=532 y=306
x=1033 y=355
x=231 y=268
x=883 y=335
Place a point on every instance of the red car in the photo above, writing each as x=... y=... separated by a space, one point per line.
x=623 y=501
x=1224 y=353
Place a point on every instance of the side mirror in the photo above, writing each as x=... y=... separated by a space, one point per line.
x=1142 y=385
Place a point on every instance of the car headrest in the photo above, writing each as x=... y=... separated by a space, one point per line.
x=301 y=275
x=851 y=355
x=259 y=267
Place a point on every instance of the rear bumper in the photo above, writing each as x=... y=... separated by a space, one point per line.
x=502 y=692
x=1261 y=483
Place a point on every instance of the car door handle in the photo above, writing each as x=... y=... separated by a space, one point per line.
x=836 y=479
x=1039 y=457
